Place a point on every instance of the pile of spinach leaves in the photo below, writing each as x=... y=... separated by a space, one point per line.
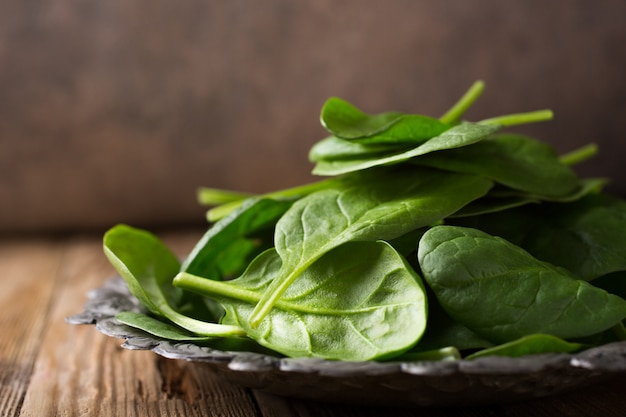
x=430 y=239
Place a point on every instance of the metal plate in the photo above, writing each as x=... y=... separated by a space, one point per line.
x=464 y=382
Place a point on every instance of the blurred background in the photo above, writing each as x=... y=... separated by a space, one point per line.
x=117 y=111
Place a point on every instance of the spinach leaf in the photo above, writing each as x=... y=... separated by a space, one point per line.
x=493 y=203
x=502 y=293
x=171 y=332
x=529 y=345
x=444 y=354
x=460 y=135
x=349 y=123
x=157 y=327
x=345 y=121
x=148 y=267
x=336 y=149
x=585 y=236
x=501 y=199
x=442 y=331
x=228 y=201
x=379 y=205
x=360 y=301
x=516 y=161
x=227 y=247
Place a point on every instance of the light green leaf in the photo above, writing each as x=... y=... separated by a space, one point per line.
x=148 y=267
x=359 y=302
x=345 y=121
x=378 y=205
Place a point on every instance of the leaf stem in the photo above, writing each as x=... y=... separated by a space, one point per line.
x=199 y=327
x=213 y=196
x=273 y=293
x=455 y=113
x=520 y=118
x=223 y=210
x=579 y=155
x=209 y=287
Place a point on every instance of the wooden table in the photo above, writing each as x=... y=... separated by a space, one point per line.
x=51 y=368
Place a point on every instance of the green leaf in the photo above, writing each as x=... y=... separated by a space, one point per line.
x=157 y=327
x=529 y=345
x=359 y=302
x=457 y=136
x=148 y=267
x=289 y=194
x=585 y=236
x=442 y=331
x=345 y=121
x=516 y=161
x=502 y=293
x=378 y=205
x=336 y=149
x=445 y=354
x=226 y=248
x=170 y=332
x=492 y=203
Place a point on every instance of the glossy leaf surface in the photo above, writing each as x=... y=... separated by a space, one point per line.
x=358 y=302
x=502 y=293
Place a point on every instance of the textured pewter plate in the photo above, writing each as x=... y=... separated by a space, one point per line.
x=463 y=382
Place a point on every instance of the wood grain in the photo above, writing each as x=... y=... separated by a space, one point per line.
x=87 y=373
x=27 y=290
x=50 y=368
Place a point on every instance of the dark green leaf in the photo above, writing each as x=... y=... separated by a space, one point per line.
x=502 y=293
x=458 y=136
x=529 y=345
x=516 y=161
x=444 y=354
x=337 y=149
x=587 y=236
x=229 y=245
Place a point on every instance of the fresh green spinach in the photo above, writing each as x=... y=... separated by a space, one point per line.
x=148 y=268
x=519 y=255
x=502 y=293
x=227 y=247
x=360 y=301
x=585 y=236
x=345 y=121
x=529 y=345
x=379 y=205
x=518 y=162
x=457 y=136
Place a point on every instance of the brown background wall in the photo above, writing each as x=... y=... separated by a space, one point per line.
x=116 y=111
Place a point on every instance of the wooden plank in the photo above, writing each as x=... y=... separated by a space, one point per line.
x=26 y=266
x=80 y=372
x=50 y=368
